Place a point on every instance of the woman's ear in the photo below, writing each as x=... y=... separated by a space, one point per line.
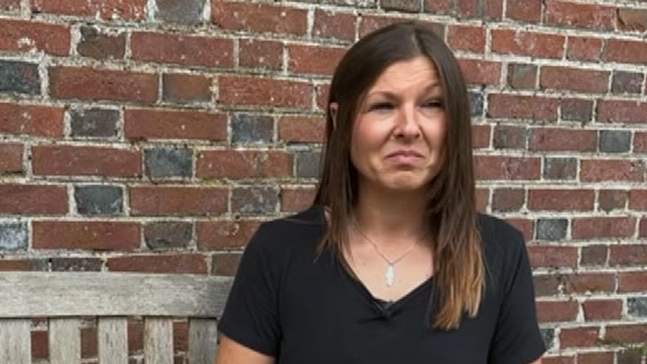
x=332 y=109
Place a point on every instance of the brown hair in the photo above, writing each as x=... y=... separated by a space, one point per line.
x=459 y=276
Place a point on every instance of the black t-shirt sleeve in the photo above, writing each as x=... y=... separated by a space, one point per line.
x=250 y=316
x=517 y=339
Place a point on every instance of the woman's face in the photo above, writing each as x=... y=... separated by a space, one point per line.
x=399 y=133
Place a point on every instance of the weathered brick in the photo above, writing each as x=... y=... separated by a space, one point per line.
x=628 y=356
x=314 y=59
x=401 y=5
x=14 y=265
x=168 y=162
x=599 y=309
x=632 y=281
x=627 y=255
x=476 y=103
x=301 y=129
x=243 y=164
x=64 y=264
x=551 y=229
x=548 y=335
x=308 y=164
x=256 y=53
x=560 y=168
x=596 y=357
x=99 y=45
x=577 y=110
x=45 y=121
x=584 y=49
x=33 y=199
x=478 y=72
x=466 y=38
x=34 y=36
x=546 y=285
x=439 y=7
x=638 y=199
x=528 y=43
x=322 y=90
x=103 y=9
x=66 y=160
x=88 y=235
x=99 y=200
x=97 y=84
x=185 y=88
x=556 y=311
x=168 y=124
x=241 y=91
x=255 y=201
x=615 y=141
x=480 y=9
x=157 y=263
x=357 y=3
x=185 y=12
x=227 y=234
x=626 y=51
x=11 y=158
x=508 y=199
x=632 y=20
x=637 y=306
x=524 y=10
x=640 y=142
x=13 y=236
x=94 y=122
x=258 y=17
x=573 y=79
x=609 y=200
x=589 y=283
x=522 y=76
x=578 y=337
x=561 y=200
x=249 y=128
x=507 y=168
x=226 y=264
x=168 y=234
x=177 y=201
x=297 y=198
x=621 y=111
x=19 y=77
x=597 y=170
x=185 y=50
x=509 y=137
x=576 y=15
x=9 y=5
x=627 y=82
x=481 y=135
x=554 y=139
x=522 y=107
x=603 y=227
x=371 y=23
x=594 y=255
x=331 y=24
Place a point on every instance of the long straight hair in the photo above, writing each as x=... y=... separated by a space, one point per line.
x=459 y=273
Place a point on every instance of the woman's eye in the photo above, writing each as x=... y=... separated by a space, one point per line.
x=433 y=104
x=381 y=106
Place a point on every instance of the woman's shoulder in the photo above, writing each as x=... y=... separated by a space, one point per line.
x=503 y=244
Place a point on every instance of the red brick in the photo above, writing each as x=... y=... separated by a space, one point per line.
x=526 y=226
x=602 y=310
x=184 y=263
x=24 y=265
x=603 y=227
x=481 y=135
x=87 y=235
x=522 y=76
x=638 y=200
x=466 y=38
x=589 y=283
x=105 y=9
x=226 y=264
x=556 y=311
x=236 y=90
x=621 y=111
x=296 y=199
x=482 y=199
x=609 y=200
x=302 y=129
x=255 y=17
x=580 y=15
x=322 y=91
x=524 y=10
x=480 y=72
x=261 y=53
x=65 y=160
x=584 y=49
x=167 y=124
x=642 y=228
x=522 y=107
x=627 y=333
x=330 y=24
x=561 y=200
x=243 y=164
x=599 y=170
x=596 y=358
x=178 y=87
x=33 y=199
x=27 y=36
x=95 y=84
x=438 y=7
x=11 y=161
x=371 y=23
x=177 y=200
x=628 y=255
x=632 y=281
x=626 y=51
x=579 y=337
x=552 y=256
x=640 y=142
x=227 y=234
x=484 y=9
x=632 y=20
x=536 y=45
x=594 y=255
x=184 y=50
x=507 y=168
x=573 y=79
x=546 y=285
x=553 y=139
x=508 y=199
x=36 y=120
x=314 y=59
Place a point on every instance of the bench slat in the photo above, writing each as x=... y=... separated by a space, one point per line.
x=64 y=341
x=112 y=336
x=203 y=341
x=158 y=341
x=15 y=341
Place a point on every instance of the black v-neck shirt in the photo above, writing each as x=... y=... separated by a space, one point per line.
x=302 y=309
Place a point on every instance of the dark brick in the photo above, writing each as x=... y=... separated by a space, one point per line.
x=76 y=264
x=9 y=5
x=411 y=6
x=615 y=141
x=594 y=255
x=13 y=235
x=246 y=128
x=94 y=44
x=308 y=164
x=549 y=337
x=509 y=137
x=637 y=306
x=577 y=110
x=99 y=200
x=629 y=356
x=254 y=201
x=627 y=82
x=19 y=77
x=162 y=235
x=168 y=162
x=476 y=103
x=225 y=264
x=94 y=123
x=522 y=76
x=507 y=199
x=183 y=12
x=609 y=200
x=560 y=168
x=551 y=229
x=185 y=88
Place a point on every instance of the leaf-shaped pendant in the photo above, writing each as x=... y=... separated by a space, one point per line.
x=389 y=276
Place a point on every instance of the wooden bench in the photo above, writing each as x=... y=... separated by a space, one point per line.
x=65 y=298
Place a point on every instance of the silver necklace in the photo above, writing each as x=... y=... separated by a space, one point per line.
x=389 y=276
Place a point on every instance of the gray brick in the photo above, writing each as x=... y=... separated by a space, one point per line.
x=246 y=128
x=13 y=236
x=549 y=337
x=627 y=82
x=19 y=77
x=76 y=264
x=560 y=168
x=476 y=103
x=94 y=123
x=99 y=200
x=551 y=229
x=577 y=110
x=637 y=306
x=254 y=201
x=168 y=162
x=164 y=235
x=308 y=164
x=183 y=12
x=411 y=6
x=615 y=141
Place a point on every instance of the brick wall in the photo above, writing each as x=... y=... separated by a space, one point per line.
x=140 y=135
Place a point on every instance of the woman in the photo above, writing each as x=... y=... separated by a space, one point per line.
x=391 y=264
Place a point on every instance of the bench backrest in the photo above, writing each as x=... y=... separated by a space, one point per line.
x=65 y=298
